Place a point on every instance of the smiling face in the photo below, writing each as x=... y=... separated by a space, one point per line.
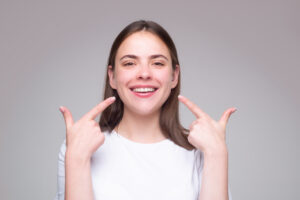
x=143 y=74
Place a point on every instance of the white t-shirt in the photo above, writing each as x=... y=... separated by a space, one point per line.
x=125 y=170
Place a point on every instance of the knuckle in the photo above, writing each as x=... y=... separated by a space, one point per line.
x=191 y=127
x=190 y=138
x=196 y=127
x=97 y=129
x=91 y=123
x=101 y=138
x=94 y=123
x=85 y=123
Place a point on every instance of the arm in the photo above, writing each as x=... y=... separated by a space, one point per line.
x=215 y=177
x=208 y=136
x=73 y=177
x=83 y=138
x=78 y=178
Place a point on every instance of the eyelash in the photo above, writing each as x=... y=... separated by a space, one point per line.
x=131 y=63
x=161 y=64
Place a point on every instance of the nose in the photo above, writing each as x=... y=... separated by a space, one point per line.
x=144 y=72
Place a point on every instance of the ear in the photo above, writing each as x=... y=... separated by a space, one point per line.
x=111 y=77
x=175 y=76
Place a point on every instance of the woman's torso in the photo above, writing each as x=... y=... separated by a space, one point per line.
x=123 y=169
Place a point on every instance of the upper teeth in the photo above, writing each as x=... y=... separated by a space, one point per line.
x=143 y=89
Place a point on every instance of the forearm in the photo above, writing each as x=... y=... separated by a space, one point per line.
x=215 y=177
x=78 y=179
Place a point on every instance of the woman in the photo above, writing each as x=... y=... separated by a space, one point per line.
x=139 y=150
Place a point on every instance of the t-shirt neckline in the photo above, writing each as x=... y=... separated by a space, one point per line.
x=139 y=143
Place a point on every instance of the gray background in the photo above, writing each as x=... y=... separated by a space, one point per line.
x=232 y=53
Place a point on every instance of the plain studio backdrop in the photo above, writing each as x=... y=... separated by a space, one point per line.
x=232 y=53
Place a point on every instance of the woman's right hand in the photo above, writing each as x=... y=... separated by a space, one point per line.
x=84 y=137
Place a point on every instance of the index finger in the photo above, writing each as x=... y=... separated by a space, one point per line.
x=92 y=114
x=192 y=107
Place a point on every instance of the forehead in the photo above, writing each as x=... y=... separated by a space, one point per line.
x=142 y=44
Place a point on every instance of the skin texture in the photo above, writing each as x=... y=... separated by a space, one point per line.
x=140 y=122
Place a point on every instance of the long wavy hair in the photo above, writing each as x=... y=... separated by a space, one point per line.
x=169 y=115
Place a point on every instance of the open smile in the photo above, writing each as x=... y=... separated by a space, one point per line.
x=144 y=91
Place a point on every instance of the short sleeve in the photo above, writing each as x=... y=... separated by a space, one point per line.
x=60 y=193
x=200 y=164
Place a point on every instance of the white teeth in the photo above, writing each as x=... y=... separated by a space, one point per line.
x=143 y=89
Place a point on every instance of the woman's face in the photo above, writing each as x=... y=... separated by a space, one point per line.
x=143 y=73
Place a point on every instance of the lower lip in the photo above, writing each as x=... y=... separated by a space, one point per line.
x=144 y=94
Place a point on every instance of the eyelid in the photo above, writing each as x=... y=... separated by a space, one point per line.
x=159 y=62
x=128 y=63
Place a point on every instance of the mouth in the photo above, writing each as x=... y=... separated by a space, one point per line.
x=144 y=92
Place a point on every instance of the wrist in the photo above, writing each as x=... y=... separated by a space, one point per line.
x=216 y=159
x=220 y=152
x=77 y=158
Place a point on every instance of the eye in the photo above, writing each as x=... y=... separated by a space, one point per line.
x=159 y=63
x=128 y=64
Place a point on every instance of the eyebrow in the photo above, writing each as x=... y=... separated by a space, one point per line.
x=151 y=57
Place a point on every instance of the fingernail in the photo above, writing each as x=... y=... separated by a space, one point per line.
x=112 y=97
x=235 y=109
x=61 y=109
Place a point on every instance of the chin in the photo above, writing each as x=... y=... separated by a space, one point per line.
x=144 y=110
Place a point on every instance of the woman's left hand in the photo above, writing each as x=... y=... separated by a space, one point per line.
x=207 y=134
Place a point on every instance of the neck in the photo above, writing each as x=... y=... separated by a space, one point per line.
x=140 y=128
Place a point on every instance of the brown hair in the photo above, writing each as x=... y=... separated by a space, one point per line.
x=169 y=115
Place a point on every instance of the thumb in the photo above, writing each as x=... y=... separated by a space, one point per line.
x=224 y=119
x=67 y=116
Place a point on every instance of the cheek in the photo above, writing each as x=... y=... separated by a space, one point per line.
x=165 y=78
x=122 y=78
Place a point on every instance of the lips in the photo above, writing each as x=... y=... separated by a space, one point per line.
x=143 y=91
x=143 y=88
